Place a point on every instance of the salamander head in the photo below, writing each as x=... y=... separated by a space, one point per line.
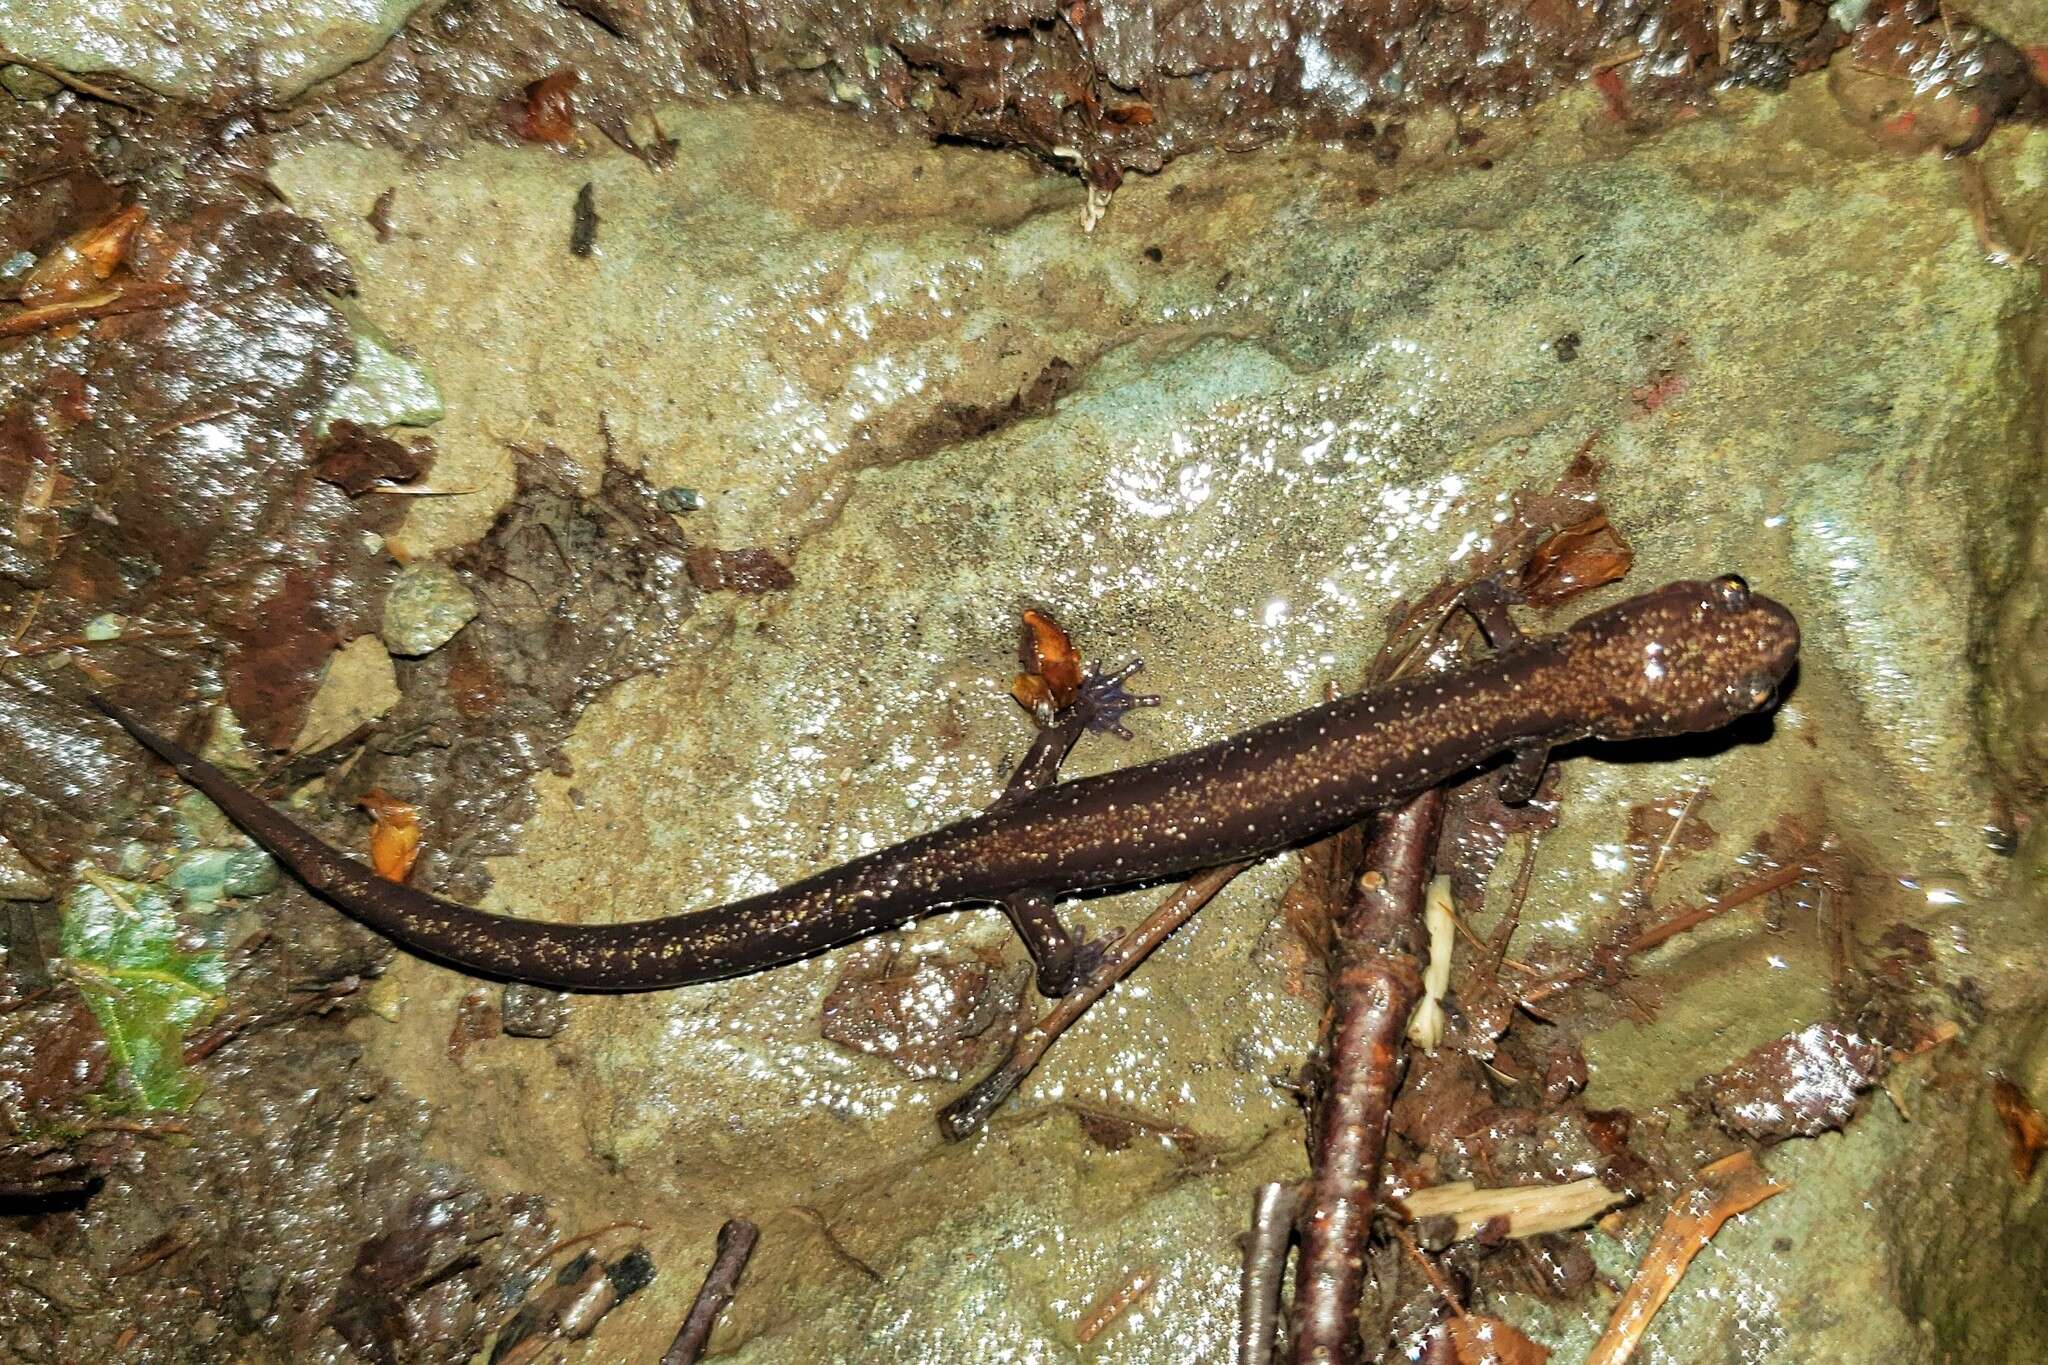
x=1688 y=657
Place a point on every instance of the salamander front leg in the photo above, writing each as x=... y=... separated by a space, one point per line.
x=1100 y=703
x=1488 y=606
x=1065 y=701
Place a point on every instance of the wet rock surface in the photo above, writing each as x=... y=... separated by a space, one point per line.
x=1265 y=399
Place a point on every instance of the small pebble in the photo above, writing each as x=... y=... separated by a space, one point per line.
x=427 y=605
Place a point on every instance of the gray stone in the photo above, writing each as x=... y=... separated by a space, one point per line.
x=192 y=49
x=426 y=606
x=908 y=368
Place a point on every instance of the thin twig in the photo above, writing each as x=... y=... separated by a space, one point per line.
x=579 y=1239
x=107 y=303
x=1678 y=924
x=162 y=1249
x=1112 y=1306
x=1265 y=1267
x=735 y=1244
x=81 y=642
x=69 y=81
x=1670 y=842
x=963 y=1116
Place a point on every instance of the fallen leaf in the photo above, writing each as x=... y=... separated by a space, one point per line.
x=132 y=956
x=1722 y=1189
x=1656 y=391
x=395 y=837
x=477 y=1018
x=751 y=570
x=356 y=460
x=1051 y=679
x=2025 y=1128
x=547 y=110
x=81 y=263
x=1481 y=1340
x=1576 y=559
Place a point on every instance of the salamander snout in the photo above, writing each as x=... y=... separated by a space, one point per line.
x=1690 y=656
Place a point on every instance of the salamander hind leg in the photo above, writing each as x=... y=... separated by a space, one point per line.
x=1487 y=604
x=1524 y=773
x=1060 y=959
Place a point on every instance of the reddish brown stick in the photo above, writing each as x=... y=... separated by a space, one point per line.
x=735 y=1244
x=964 y=1116
x=1680 y=923
x=1373 y=990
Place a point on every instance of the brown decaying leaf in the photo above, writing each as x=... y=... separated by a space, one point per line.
x=1722 y=1189
x=277 y=649
x=395 y=837
x=2025 y=1128
x=546 y=112
x=356 y=460
x=1576 y=559
x=751 y=570
x=82 y=262
x=1052 y=668
x=476 y=1018
x=1481 y=1340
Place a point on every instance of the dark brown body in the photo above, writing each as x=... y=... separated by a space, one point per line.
x=1691 y=656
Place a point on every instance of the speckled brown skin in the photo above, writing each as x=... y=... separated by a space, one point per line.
x=1690 y=656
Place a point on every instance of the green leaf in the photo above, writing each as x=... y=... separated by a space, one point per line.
x=148 y=979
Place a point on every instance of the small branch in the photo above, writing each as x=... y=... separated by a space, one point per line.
x=735 y=1245
x=965 y=1115
x=70 y=82
x=1265 y=1268
x=1521 y=1210
x=107 y=303
x=1377 y=981
x=81 y=642
x=1112 y=1307
x=1679 y=924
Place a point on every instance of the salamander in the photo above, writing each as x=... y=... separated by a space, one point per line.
x=1688 y=657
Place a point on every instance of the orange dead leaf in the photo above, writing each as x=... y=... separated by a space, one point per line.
x=2025 y=1128
x=1576 y=559
x=81 y=262
x=1480 y=1340
x=1614 y=91
x=547 y=111
x=395 y=837
x=1656 y=391
x=1721 y=1190
x=1052 y=669
x=477 y=1017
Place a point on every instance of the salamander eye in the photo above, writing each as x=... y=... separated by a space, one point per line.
x=1730 y=593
